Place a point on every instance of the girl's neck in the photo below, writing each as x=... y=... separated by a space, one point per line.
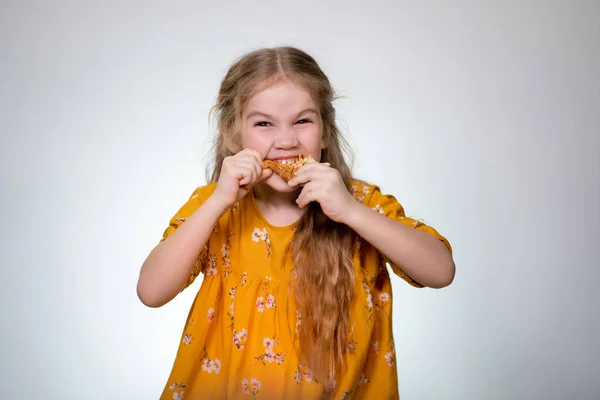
x=279 y=209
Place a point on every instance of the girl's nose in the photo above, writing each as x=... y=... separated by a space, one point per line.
x=286 y=138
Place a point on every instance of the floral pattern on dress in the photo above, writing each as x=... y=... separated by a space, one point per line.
x=245 y=298
x=251 y=388
x=211 y=267
x=298 y=324
x=230 y=313
x=258 y=235
x=360 y=193
x=265 y=301
x=381 y=305
x=209 y=365
x=225 y=251
x=270 y=356
x=187 y=339
x=390 y=355
x=389 y=358
x=198 y=263
x=350 y=346
x=176 y=389
x=303 y=374
x=239 y=338
x=362 y=380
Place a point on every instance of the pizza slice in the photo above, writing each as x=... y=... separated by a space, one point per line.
x=286 y=169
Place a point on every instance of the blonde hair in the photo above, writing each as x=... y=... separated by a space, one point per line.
x=322 y=250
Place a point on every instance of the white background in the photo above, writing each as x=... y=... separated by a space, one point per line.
x=481 y=117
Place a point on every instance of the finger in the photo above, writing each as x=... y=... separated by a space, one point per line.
x=249 y=172
x=249 y=159
x=246 y=178
x=265 y=173
x=255 y=159
x=256 y=168
x=304 y=176
x=257 y=172
x=299 y=179
x=253 y=154
x=314 y=166
x=234 y=170
x=248 y=156
x=307 y=196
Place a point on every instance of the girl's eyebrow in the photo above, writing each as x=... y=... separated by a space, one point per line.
x=260 y=114
x=267 y=116
x=307 y=111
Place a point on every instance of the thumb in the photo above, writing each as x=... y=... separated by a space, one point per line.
x=265 y=174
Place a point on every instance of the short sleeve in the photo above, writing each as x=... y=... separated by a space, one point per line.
x=195 y=200
x=387 y=205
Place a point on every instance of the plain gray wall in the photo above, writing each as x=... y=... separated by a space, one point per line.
x=481 y=117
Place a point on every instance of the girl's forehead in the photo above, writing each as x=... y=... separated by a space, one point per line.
x=277 y=92
x=302 y=83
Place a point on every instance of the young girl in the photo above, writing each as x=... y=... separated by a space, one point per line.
x=296 y=299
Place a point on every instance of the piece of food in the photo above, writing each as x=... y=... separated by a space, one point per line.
x=287 y=169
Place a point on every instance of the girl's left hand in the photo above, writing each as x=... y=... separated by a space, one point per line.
x=324 y=185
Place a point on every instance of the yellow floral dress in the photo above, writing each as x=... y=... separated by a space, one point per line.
x=240 y=337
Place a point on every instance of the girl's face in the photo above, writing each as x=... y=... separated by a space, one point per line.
x=281 y=122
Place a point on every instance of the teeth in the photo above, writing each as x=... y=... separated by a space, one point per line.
x=289 y=161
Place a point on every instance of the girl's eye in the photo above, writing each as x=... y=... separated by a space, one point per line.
x=304 y=121
x=262 y=123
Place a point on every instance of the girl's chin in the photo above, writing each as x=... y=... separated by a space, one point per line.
x=277 y=183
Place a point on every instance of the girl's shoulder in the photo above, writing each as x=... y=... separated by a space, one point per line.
x=201 y=193
x=194 y=201
x=365 y=192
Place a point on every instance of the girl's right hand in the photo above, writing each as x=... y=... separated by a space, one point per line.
x=239 y=173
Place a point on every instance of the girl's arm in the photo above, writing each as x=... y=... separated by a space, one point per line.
x=420 y=255
x=167 y=268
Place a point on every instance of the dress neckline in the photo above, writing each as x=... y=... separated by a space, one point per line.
x=265 y=221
